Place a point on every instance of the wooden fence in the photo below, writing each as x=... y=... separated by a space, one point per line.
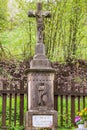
x=13 y=99
x=12 y=95
x=68 y=101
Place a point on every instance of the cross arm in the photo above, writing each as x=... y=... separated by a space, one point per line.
x=47 y=14
x=31 y=13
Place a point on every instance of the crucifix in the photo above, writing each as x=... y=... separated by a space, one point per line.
x=40 y=15
x=41 y=113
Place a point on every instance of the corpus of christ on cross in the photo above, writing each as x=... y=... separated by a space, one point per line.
x=40 y=15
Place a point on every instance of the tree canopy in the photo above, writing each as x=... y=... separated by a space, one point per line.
x=65 y=33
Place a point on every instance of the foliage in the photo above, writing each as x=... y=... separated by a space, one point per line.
x=17 y=128
x=3 y=14
x=65 y=29
x=12 y=126
x=83 y=114
x=3 y=24
x=65 y=33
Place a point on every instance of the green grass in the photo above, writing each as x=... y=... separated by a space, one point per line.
x=66 y=126
x=12 y=112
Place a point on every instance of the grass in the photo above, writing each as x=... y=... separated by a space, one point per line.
x=66 y=126
x=12 y=111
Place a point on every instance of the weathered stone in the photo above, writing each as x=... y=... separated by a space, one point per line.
x=39 y=18
x=40 y=49
x=41 y=91
x=40 y=64
x=39 y=60
x=31 y=113
x=40 y=83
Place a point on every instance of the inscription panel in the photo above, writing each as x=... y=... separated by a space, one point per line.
x=41 y=121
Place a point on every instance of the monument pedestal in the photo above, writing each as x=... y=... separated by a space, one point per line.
x=41 y=113
x=39 y=119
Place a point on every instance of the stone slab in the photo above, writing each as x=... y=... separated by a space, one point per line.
x=32 y=125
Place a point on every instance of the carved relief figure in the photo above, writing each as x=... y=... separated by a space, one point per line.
x=42 y=94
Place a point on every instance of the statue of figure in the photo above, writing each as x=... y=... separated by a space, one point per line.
x=42 y=94
x=40 y=28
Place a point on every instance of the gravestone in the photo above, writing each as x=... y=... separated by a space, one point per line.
x=41 y=113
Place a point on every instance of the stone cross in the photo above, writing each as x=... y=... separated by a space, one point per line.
x=41 y=113
x=40 y=15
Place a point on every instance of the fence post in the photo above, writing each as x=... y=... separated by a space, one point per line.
x=56 y=102
x=67 y=108
x=21 y=103
x=72 y=109
x=15 y=105
x=4 y=95
x=61 y=109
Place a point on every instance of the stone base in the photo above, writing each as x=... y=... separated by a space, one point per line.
x=41 y=113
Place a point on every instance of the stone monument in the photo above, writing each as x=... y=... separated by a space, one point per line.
x=41 y=113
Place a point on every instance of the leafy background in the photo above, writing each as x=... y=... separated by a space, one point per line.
x=65 y=38
x=65 y=34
